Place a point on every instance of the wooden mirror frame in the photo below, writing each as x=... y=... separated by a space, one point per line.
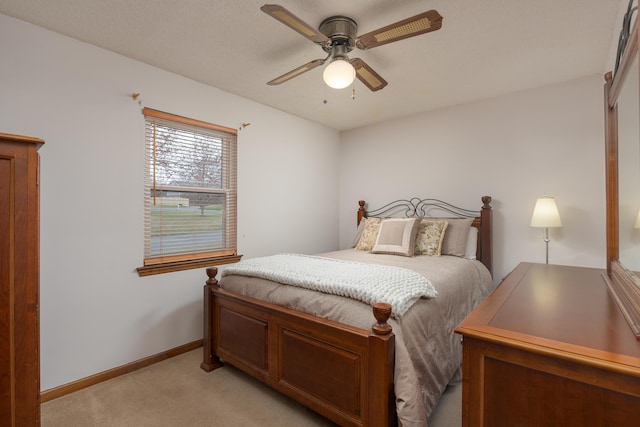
x=623 y=284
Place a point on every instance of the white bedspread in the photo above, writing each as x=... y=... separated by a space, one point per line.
x=369 y=283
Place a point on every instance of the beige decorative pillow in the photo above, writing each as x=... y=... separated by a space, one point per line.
x=429 y=237
x=456 y=236
x=397 y=236
x=369 y=234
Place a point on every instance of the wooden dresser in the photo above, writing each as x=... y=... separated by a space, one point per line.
x=550 y=347
x=19 y=281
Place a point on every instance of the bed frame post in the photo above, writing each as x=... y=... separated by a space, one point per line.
x=486 y=215
x=361 y=211
x=210 y=360
x=382 y=404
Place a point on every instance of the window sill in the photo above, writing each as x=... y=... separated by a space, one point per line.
x=187 y=265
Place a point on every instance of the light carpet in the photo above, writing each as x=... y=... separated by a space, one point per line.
x=176 y=392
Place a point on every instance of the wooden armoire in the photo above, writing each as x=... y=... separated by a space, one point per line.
x=19 y=280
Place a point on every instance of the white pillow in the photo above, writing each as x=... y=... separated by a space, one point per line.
x=472 y=244
x=359 y=231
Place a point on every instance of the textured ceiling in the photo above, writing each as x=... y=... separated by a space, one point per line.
x=485 y=48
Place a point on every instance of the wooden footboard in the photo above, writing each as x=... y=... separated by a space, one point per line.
x=341 y=372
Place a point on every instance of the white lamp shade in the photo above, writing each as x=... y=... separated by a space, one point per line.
x=339 y=74
x=637 y=221
x=546 y=214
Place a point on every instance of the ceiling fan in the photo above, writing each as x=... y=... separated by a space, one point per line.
x=337 y=36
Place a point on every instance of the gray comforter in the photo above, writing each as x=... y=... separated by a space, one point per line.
x=428 y=352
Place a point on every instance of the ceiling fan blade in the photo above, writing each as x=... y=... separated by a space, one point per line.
x=290 y=20
x=422 y=23
x=296 y=72
x=366 y=75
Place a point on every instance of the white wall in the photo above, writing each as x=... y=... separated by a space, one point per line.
x=514 y=148
x=96 y=312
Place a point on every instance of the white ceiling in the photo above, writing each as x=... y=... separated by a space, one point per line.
x=485 y=48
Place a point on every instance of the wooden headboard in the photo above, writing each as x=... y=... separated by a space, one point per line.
x=434 y=208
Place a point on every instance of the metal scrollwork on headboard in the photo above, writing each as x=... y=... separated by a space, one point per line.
x=434 y=208
x=422 y=208
x=625 y=32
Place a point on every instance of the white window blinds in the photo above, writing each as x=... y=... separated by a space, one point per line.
x=190 y=189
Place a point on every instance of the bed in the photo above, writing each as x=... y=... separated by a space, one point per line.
x=329 y=352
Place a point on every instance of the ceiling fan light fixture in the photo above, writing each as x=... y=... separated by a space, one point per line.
x=338 y=36
x=339 y=74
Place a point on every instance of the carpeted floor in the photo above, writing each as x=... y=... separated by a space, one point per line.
x=176 y=392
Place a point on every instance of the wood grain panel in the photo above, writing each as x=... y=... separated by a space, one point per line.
x=320 y=359
x=245 y=337
x=519 y=396
x=7 y=356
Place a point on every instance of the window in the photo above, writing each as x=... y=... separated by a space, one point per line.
x=190 y=194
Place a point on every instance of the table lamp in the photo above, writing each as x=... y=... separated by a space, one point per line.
x=545 y=215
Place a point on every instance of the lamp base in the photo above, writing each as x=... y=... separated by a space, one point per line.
x=546 y=242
